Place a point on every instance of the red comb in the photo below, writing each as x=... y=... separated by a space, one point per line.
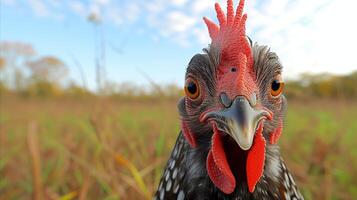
x=230 y=36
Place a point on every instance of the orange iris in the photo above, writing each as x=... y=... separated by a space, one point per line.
x=192 y=89
x=277 y=86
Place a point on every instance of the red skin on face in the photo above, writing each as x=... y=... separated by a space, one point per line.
x=275 y=135
x=190 y=137
x=217 y=165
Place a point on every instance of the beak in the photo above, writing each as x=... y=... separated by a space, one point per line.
x=241 y=120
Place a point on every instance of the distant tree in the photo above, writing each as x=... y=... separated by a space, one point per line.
x=16 y=48
x=74 y=90
x=13 y=57
x=15 y=54
x=2 y=63
x=323 y=86
x=2 y=67
x=46 y=75
x=48 y=68
x=3 y=88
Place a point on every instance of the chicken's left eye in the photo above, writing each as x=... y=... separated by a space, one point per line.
x=192 y=89
x=277 y=86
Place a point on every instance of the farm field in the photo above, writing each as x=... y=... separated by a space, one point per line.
x=97 y=148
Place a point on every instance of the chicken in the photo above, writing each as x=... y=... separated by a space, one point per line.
x=231 y=120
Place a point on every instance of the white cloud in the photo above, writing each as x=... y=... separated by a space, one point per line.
x=38 y=7
x=200 y=6
x=178 y=2
x=96 y=10
x=127 y=15
x=102 y=2
x=314 y=36
x=8 y=2
x=155 y=7
x=201 y=35
x=307 y=35
x=177 y=22
x=78 y=8
x=55 y=3
x=132 y=12
x=115 y=16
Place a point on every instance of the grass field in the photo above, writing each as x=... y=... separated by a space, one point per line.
x=116 y=149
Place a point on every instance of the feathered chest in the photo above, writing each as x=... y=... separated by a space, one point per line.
x=185 y=177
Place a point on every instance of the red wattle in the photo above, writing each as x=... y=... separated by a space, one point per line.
x=217 y=165
x=255 y=159
x=188 y=134
x=275 y=135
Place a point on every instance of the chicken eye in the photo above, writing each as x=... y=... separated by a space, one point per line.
x=277 y=86
x=192 y=89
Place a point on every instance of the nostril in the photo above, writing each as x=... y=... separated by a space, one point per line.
x=254 y=99
x=225 y=100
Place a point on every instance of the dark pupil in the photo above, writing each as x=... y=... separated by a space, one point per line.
x=275 y=85
x=192 y=88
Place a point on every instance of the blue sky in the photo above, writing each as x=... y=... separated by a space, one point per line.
x=159 y=37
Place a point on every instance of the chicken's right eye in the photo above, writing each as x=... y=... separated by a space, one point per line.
x=192 y=89
x=277 y=86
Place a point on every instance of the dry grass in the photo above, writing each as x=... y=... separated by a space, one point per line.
x=111 y=149
x=33 y=146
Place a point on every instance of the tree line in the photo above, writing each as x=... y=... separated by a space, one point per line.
x=24 y=73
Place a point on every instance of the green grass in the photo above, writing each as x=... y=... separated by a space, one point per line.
x=79 y=138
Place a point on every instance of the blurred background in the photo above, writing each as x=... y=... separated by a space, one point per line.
x=86 y=84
